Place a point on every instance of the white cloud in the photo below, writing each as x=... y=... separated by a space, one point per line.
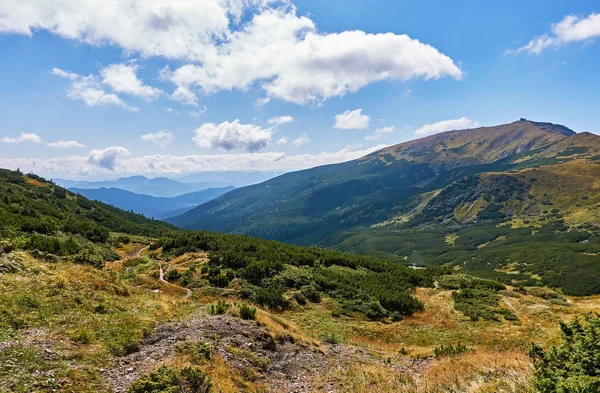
x=572 y=28
x=446 y=125
x=277 y=121
x=168 y=164
x=65 y=144
x=185 y=96
x=107 y=158
x=352 y=120
x=65 y=74
x=25 y=137
x=379 y=133
x=232 y=136
x=122 y=78
x=303 y=139
x=89 y=90
x=270 y=47
x=199 y=112
x=161 y=138
x=282 y=141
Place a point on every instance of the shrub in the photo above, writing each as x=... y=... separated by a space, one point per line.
x=449 y=350
x=300 y=298
x=219 y=308
x=311 y=293
x=330 y=338
x=168 y=380
x=197 y=351
x=172 y=275
x=572 y=366
x=123 y=346
x=272 y=297
x=247 y=312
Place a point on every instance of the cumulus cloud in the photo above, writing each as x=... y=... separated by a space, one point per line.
x=282 y=141
x=232 y=136
x=65 y=74
x=303 y=139
x=572 y=28
x=446 y=125
x=161 y=138
x=65 y=144
x=270 y=47
x=185 y=96
x=122 y=78
x=25 y=137
x=107 y=158
x=352 y=120
x=277 y=121
x=169 y=164
x=379 y=133
x=89 y=90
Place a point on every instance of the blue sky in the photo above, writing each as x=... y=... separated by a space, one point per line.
x=179 y=87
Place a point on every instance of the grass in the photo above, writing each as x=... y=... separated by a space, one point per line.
x=88 y=315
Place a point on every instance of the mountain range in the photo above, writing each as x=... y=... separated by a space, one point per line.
x=308 y=206
x=172 y=187
x=150 y=206
x=517 y=202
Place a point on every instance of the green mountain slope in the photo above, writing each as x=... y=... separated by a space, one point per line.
x=307 y=206
x=38 y=215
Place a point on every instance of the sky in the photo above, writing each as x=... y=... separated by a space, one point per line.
x=99 y=89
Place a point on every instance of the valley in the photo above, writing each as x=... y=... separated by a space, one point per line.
x=142 y=304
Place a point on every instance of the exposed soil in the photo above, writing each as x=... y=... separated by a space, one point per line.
x=293 y=367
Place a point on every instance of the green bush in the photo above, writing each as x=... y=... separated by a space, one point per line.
x=330 y=338
x=168 y=380
x=477 y=303
x=300 y=298
x=272 y=297
x=197 y=351
x=219 y=308
x=449 y=350
x=311 y=293
x=172 y=275
x=571 y=366
x=247 y=312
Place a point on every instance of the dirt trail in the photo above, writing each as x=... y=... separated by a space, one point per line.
x=292 y=367
x=161 y=278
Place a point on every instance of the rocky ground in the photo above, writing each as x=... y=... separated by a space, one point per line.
x=292 y=367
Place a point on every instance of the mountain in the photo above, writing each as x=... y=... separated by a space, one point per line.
x=235 y=178
x=40 y=215
x=157 y=187
x=150 y=206
x=96 y=299
x=517 y=203
x=307 y=206
x=166 y=187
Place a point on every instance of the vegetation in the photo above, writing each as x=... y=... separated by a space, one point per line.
x=268 y=270
x=572 y=366
x=449 y=350
x=168 y=380
x=95 y=296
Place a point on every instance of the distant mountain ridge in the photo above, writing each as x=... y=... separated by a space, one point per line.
x=150 y=206
x=157 y=187
x=308 y=206
x=171 y=187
